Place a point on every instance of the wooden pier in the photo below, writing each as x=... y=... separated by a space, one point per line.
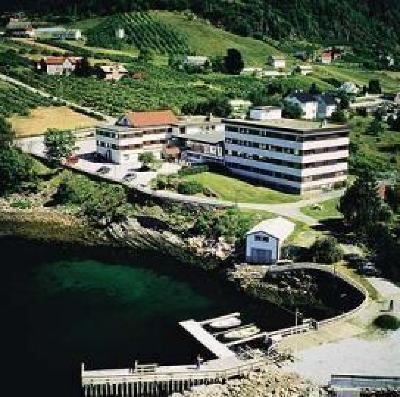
x=153 y=380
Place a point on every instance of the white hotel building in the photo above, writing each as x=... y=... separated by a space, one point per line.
x=292 y=155
x=135 y=133
x=138 y=132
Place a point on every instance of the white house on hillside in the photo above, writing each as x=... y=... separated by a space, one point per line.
x=326 y=106
x=277 y=61
x=349 y=88
x=264 y=241
x=58 y=65
x=314 y=106
x=307 y=102
x=196 y=61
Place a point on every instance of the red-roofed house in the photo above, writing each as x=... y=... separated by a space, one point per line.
x=135 y=133
x=58 y=65
x=146 y=119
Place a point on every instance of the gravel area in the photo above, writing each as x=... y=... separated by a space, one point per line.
x=350 y=356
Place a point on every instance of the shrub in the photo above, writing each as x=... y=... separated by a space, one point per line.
x=387 y=321
x=198 y=169
x=190 y=187
x=326 y=250
x=21 y=204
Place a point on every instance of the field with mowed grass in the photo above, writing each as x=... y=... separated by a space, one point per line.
x=390 y=81
x=205 y=39
x=43 y=118
x=325 y=210
x=231 y=189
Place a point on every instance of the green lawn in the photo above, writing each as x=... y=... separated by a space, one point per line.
x=389 y=81
x=385 y=148
x=206 y=39
x=235 y=190
x=324 y=210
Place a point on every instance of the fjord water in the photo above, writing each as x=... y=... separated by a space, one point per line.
x=106 y=307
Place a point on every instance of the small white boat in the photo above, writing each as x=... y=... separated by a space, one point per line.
x=226 y=323
x=242 y=332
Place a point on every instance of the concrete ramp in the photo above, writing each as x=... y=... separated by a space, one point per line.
x=206 y=339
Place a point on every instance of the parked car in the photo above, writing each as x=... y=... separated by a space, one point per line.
x=130 y=176
x=103 y=170
x=72 y=159
x=368 y=269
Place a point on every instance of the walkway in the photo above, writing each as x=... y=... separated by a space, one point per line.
x=207 y=340
x=45 y=94
x=351 y=346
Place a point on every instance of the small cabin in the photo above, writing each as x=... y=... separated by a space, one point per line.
x=265 y=240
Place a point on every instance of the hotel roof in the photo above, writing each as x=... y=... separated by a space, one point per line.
x=147 y=119
x=212 y=138
x=289 y=125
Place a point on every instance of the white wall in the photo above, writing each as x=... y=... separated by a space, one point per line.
x=272 y=245
x=265 y=114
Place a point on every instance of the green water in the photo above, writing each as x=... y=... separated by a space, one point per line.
x=106 y=307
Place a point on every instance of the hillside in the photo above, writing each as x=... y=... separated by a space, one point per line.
x=142 y=30
x=206 y=39
x=172 y=33
x=369 y=25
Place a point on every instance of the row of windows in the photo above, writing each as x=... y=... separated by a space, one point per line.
x=131 y=147
x=261 y=238
x=284 y=163
x=263 y=146
x=280 y=149
x=281 y=175
x=277 y=135
x=135 y=134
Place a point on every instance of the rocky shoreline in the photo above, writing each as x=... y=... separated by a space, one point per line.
x=266 y=383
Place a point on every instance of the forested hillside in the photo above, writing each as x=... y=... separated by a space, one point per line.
x=368 y=22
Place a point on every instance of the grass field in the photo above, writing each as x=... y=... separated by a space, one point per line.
x=389 y=80
x=385 y=147
x=43 y=118
x=235 y=190
x=203 y=38
x=206 y=39
x=325 y=210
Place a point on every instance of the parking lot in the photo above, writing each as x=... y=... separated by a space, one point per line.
x=90 y=164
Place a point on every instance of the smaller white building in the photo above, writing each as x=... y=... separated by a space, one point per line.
x=120 y=33
x=196 y=61
x=349 y=88
x=304 y=70
x=264 y=241
x=266 y=113
x=58 y=33
x=277 y=61
x=307 y=102
x=326 y=106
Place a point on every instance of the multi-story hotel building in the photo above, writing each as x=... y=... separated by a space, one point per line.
x=292 y=155
x=138 y=132
x=135 y=133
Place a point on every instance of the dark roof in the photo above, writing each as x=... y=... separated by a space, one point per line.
x=303 y=97
x=328 y=99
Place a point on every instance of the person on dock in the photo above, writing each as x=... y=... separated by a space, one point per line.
x=199 y=361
